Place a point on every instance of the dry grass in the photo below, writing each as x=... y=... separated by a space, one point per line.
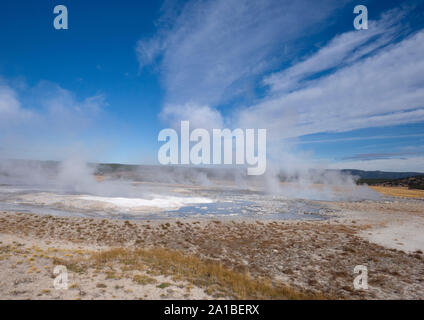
x=399 y=192
x=143 y=279
x=208 y=274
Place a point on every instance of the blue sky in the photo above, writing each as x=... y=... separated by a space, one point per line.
x=327 y=93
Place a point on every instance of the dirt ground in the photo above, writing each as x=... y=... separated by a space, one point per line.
x=313 y=257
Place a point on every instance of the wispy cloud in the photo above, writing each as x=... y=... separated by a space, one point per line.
x=200 y=116
x=391 y=155
x=347 y=139
x=212 y=50
x=11 y=111
x=343 y=50
x=415 y=164
x=42 y=121
x=381 y=90
x=208 y=51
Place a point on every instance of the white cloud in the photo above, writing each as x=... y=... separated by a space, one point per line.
x=377 y=137
x=343 y=50
x=10 y=107
x=382 y=90
x=415 y=164
x=212 y=49
x=198 y=115
x=40 y=122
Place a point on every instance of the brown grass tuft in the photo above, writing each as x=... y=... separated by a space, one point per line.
x=207 y=274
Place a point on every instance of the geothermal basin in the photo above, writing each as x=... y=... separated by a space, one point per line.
x=157 y=201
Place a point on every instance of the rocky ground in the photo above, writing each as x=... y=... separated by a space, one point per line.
x=312 y=258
